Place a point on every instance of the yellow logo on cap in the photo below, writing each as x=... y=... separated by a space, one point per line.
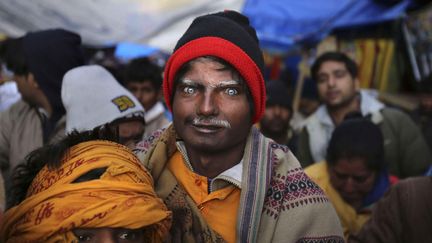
x=123 y=103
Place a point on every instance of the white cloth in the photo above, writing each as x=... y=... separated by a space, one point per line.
x=9 y=95
x=93 y=97
x=320 y=126
x=154 y=112
x=156 y=118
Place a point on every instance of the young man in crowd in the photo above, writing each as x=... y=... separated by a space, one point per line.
x=93 y=97
x=406 y=151
x=38 y=60
x=223 y=180
x=275 y=123
x=144 y=79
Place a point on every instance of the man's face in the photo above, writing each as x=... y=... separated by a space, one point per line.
x=110 y=235
x=26 y=87
x=352 y=179
x=144 y=92
x=210 y=108
x=130 y=132
x=276 y=119
x=29 y=89
x=336 y=87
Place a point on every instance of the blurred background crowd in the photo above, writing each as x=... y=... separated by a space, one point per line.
x=374 y=54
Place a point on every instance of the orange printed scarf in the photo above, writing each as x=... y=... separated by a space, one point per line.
x=122 y=197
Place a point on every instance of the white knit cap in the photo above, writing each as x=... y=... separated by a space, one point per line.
x=93 y=97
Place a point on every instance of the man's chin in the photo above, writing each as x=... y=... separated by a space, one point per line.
x=351 y=199
x=206 y=147
x=333 y=102
x=335 y=105
x=277 y=132
x=278 y=128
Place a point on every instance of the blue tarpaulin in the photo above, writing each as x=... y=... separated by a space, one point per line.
x=284 y=24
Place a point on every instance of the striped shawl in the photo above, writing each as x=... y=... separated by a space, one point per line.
x=278 y=202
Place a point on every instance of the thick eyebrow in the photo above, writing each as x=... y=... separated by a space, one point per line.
x=187 y=82
x=222 y=83
x=340 y=71
x=322 y=75
x=228 y=82
x=333 y=71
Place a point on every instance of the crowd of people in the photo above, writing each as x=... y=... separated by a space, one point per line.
x=202 y=149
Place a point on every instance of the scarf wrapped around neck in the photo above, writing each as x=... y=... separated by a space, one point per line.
x=278 y=201
x=123 y=197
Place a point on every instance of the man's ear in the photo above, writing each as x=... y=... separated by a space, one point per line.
x=31 y=80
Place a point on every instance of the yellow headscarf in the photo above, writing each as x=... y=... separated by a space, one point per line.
x=123 y=197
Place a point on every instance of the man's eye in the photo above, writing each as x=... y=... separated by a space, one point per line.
x=322 y=79
x=340 y=73
x=360 y=179
x=130 y=235
x=231 y=91
x=341 y=176
x=84 y=237
x=189 y=90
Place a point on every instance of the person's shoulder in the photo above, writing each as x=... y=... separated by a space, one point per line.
x=391 y=111
x=288 y=173
x=315 y=120
x=16 y=110
x=286 y=165
x=316 y=168
x=59 y=131
x=415 y=183
x=410 y=189
x=148 y=141
x=281 y=155
x=396 y=117
x=18 y=106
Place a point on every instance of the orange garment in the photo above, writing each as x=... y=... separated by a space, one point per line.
x=219 y=208
x=54 y=206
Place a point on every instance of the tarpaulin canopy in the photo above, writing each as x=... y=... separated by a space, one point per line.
x=283 y=24
x=280 y=24
x=157 y=23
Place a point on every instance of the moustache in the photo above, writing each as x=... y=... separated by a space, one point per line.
x=201 y=121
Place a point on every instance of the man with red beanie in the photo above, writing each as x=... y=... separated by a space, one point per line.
x=222 y=179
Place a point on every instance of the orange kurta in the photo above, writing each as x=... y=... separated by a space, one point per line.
x=219 y=208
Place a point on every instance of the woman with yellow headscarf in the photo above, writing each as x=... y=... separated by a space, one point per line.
x=84 y=190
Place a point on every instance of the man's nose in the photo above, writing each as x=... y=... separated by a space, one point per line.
x=106 y=237
x=207 y=105
x=331 y=81
x=349 y=185
x=109 y=240
x=139 y=94
x=278 y=110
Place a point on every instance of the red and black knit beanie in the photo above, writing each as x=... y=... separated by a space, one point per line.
x=226 y=35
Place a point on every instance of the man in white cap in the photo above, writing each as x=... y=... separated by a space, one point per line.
x=93 y=97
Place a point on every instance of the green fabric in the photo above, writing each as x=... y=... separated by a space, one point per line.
x=405 y=150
